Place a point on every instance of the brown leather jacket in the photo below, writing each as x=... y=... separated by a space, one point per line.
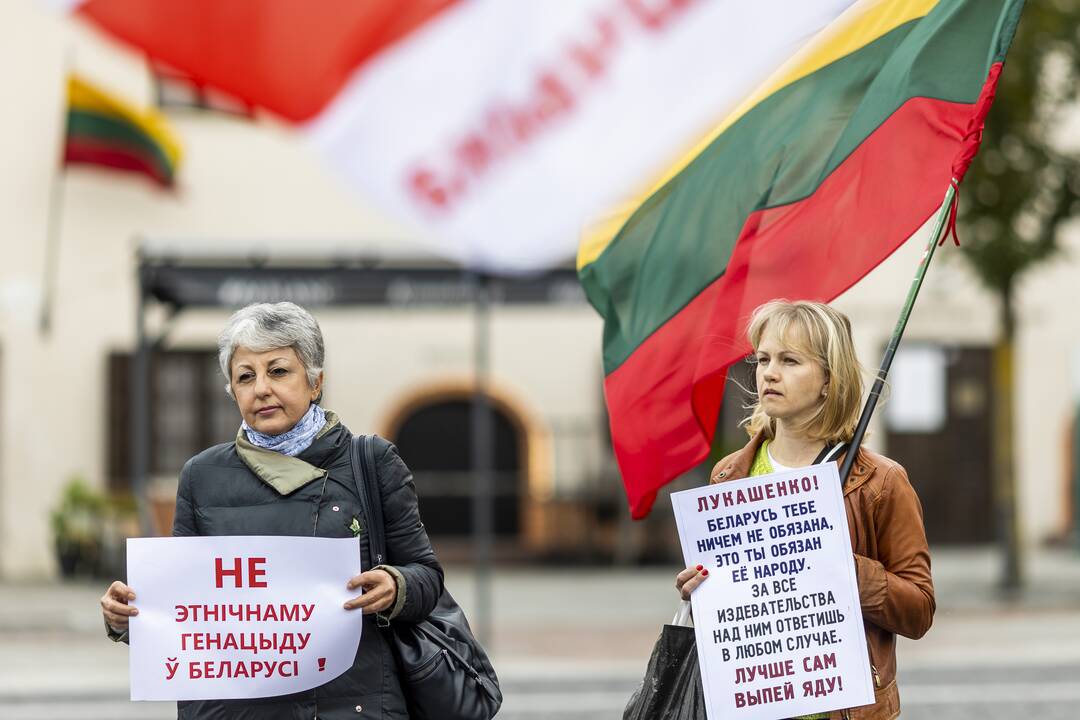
x=892 y=563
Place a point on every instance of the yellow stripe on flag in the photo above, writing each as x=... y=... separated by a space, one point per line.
x=84 y=96
x=856 y=28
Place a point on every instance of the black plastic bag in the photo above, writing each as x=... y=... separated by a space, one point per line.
x=672 y=688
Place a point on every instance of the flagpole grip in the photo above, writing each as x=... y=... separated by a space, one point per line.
x=940 y=221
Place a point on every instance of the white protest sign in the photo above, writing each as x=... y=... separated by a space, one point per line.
x=240 y=617
x=778 y=623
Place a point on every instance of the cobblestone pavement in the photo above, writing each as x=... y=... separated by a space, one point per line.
x=572 y=644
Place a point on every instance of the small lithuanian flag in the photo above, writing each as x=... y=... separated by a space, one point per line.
x=103 y=130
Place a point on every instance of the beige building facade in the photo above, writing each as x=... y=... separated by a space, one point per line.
x=248 y=182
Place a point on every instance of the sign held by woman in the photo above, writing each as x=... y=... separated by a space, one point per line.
x=240 y=617
x=780 y=628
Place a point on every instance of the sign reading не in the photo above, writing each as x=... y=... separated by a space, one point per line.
x=240 y=617
x=778 y=623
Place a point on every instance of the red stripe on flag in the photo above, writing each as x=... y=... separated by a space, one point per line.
x=92 y=153
x=654 y=431
x=289 y=56
x=665 y=399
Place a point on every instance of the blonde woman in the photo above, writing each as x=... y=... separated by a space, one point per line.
x=809 y=393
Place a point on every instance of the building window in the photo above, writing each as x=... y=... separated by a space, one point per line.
x=175 y=89
x=189 y=411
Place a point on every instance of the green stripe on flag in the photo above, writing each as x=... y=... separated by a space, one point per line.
x=680 y=239
x=118 y=132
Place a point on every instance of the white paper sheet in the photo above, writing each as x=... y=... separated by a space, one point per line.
x=240 y=617
x=778 y=622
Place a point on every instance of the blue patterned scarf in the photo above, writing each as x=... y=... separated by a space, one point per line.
x=294 y=441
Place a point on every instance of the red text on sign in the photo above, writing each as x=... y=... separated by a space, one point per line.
x=255 y=571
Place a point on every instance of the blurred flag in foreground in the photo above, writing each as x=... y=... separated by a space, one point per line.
x=498 y=128
x=104 y=130
x=816 y=178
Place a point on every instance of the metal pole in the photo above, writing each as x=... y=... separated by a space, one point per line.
x=52 y=251
x=483 y=447
x=898 y=333
x=140 y=410
x=56 y=214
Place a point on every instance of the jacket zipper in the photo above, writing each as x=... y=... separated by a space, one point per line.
x=427 y=667
x=318 y=505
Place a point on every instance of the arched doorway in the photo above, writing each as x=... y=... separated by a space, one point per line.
x=431 y=426
x=437 y=439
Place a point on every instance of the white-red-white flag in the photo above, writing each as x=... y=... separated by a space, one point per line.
x=498 y=128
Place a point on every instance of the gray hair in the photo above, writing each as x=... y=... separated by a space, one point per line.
x=267 y=326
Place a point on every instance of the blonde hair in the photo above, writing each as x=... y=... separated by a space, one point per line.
x=824 y=334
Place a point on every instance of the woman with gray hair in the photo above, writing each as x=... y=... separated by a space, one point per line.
x=288 y=472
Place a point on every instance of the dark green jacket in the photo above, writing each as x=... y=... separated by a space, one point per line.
x=238 y=489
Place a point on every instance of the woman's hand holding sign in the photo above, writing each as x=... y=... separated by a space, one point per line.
x=380 y=591
x=115 y=606
x=690 y=578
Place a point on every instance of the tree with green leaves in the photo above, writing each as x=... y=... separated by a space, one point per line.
x=1022 y=186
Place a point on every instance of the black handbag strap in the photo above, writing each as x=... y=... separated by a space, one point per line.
x=829 y=452
x=365 y=475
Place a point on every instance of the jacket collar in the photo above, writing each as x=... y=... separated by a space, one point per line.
x=284 y=473
x=738 y=465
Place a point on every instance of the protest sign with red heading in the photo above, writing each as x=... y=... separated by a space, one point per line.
x=778 y=623
x=240 y=617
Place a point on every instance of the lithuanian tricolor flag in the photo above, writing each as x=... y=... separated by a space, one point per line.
x=809 y=184
x=103 y=130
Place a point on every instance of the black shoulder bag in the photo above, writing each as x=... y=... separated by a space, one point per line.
x=445 y=672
